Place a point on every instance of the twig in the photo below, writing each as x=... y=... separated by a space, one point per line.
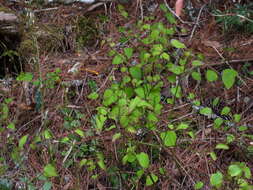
x=195 y=25
x=228 y=61
x=39 y=116
x=250 y=106
x=69 y=151
x=175 y=158
x=139 y=4
x=178 y=107
x=80 y=95
x=173 y=12
x=47 y=9
x=92 y=7
x=231 y=14
x=179 y=118
x=104 y=83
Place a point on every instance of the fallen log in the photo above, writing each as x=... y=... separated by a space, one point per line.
x=8 y=21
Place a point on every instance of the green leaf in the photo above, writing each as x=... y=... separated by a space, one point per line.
x=133 y=104
x=169 y=138
x=146 y=27
x=124 y=120
x=237 y=117
x=211 y=75
x=109 y=97
x=5 y=111
x=146 y=41
x=222 y=146
x=170 y=100
x=50 y=171
x=136 y=72
x=182 y=61
x=22 y=141
x=165 y=56
x=242 y=128
x=25 y=77
x=155 y=34
x=100 y=120
x=128 y=158
x=152 y=117
x=191 y=134
x=140 y=92
x=137 y=102
x=218 y=122
x=191 y=96
x=101 y=162
x=216 y=179
x=101 y=110
x=176 y=91
x=11 y=126
x=196 y=76
x=216 y=101
x=143 y=160
x=116 y=136
x=182 y=126
x=122 y=11
x=151 y=179
x=177 y=44
x=247 y=172
x=128 y=52
x=228 y=77
x=157 y=49
x=139 y=173
x=196 y=102
x=196 y=63
x=234 y=170
x=163 y=8
x=83 y=162
x=213 y=156
x=162 y=171
x=118 y=59
x=169 y=31
x=170 y=17
x=93 y=96
x=206 y=111
x=47 y=185
x=198 y=185
x=126 y=79
x=225 y=110
x=123 y=69
x=230 y=138
x=8 y=100
x=47 y=134
x=111 y=127
x=176 y=69
x=79 y=132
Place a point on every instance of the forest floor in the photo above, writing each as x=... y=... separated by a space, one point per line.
x=58 y=130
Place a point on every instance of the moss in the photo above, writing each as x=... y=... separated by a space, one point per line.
x=87 y=32
x=27 y=48
x=5 y=9
x=49 y=39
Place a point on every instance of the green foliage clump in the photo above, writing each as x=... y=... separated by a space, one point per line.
x=236 y=19
x=87 y=32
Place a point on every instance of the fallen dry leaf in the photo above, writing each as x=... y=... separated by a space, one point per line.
x=210 y=43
